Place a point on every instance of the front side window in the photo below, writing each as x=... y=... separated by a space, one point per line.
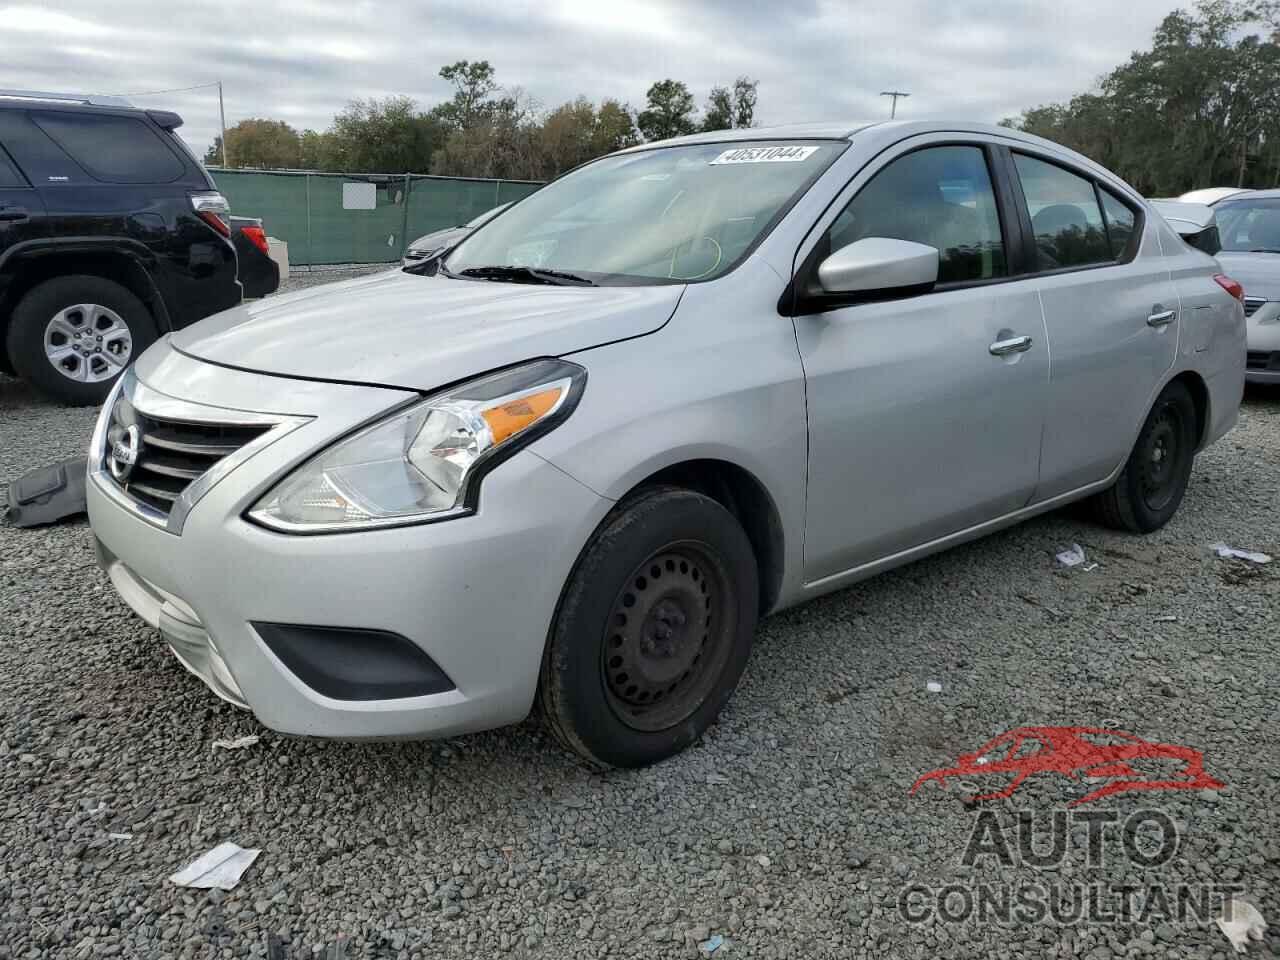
x=1065 y=217
x=941 y=197
x=1120 y=222
x=673 y=214
x=1249 y=225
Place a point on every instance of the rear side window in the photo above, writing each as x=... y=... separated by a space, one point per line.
x=939 y=196
x=1065 y=217
x=112 y=149
x=1120 y=222
x=9 y=175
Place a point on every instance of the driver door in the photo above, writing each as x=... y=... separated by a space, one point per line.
x=920 y=424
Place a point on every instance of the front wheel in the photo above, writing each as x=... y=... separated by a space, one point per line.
x=1149 y=489
x=653 y=630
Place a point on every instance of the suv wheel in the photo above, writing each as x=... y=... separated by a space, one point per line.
x=71 y=337
x=653 y=630
x=1149 y=489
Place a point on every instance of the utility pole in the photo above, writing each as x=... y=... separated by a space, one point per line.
x=893 y=110
x=222 y=116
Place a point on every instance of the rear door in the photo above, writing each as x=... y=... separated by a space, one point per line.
x=924 y=411
x=1111 y=311
x=21 y=210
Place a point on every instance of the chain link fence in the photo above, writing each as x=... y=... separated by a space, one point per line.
x=358 y=218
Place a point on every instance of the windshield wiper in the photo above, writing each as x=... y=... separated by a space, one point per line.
x=1265 y=250
x=525 y=275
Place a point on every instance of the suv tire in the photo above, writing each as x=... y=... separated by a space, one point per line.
x=1149 y=489
x=653 y=630
x=44 y=342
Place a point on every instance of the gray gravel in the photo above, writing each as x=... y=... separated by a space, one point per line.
x=788 y=829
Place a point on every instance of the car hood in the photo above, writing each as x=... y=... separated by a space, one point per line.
x=404 y=330
x=1258 y=273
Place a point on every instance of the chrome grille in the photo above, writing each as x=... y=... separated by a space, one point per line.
x=1252 y=305
x=170 y=454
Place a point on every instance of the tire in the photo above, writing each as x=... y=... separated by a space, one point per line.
x=1150 y=488
x=653 y=630
x=117 y=325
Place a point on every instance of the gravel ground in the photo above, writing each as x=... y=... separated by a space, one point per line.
x=788 y=829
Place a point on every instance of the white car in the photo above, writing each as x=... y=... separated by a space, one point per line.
x=574 y=459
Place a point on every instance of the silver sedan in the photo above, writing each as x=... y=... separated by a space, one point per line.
x=571 y=463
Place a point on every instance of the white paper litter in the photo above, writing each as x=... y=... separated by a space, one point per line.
x=1222 y=550
x=1167 y=618
x=933 y=686
x=221 y=867
x=239 y=743
x=1073 y=557
x=716 y=779
x=120 y=836
x=1241 y=922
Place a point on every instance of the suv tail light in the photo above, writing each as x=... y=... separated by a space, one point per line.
x=257 y=237
x=1231 y=286
x=214 y=210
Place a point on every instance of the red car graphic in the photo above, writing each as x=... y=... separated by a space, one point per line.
x=1075 y=752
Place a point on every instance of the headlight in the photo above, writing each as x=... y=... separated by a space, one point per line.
x=424 y=462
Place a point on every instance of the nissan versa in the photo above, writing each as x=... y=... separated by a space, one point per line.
x=573 y=460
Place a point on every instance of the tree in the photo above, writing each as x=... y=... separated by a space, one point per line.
x=577 y=132
x=265 y=144
x=381 y=136
x=473 y=83
x=669 y=112
x=731 y=108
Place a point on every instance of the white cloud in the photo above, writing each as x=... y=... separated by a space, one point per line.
x=302 y=60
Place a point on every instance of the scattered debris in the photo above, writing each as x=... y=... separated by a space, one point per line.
x=1222 y=550
x=1167 y=618
x=1089 y=567
x=120 y=836
x=933 y=686
x=711 y=945
x=1072 y=557
x=716 y=779
x=221 y=867
x=1241 y=922
x=46 y=494
x=764 y=861
x=239 y=743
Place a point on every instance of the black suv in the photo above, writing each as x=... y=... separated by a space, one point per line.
x=111 y=234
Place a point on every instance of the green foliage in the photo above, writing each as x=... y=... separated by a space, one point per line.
x=259 y=144
x=1200 y=108
x=729 y=109
x=670 y=111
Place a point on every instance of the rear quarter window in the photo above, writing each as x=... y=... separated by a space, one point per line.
x=9 y=175
x=112 y=149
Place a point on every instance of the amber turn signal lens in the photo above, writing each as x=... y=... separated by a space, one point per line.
x=508 y=419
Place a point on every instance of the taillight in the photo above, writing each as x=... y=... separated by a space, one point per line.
x=1231 y=286
x=257 y=238
x=214 y=210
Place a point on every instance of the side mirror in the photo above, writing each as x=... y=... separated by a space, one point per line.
x=879 y=265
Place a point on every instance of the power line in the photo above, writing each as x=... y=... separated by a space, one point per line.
x=152 y=93
x=893 y=110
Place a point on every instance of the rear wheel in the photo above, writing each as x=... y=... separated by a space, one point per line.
x=71 y=337
x=653 y=630
x=1149 y=490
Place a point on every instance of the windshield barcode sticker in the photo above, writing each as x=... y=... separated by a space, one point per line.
x=765 y=155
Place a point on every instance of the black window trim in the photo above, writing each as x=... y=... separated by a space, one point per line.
x=1028 y=231
x=799 y=300
x=24 y=182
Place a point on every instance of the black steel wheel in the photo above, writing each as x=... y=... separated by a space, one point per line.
x=653 y=630
x=1150 y=488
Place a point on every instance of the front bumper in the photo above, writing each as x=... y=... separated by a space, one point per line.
x=476 y=594
x=1263 y=365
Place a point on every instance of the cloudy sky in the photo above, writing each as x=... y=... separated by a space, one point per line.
x=302 y=60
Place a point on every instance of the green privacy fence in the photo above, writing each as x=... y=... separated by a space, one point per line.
x=358 y=218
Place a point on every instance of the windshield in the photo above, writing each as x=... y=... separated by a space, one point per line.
x=671 y=214
x=1252 y=225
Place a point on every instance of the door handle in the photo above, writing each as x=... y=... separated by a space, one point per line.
x=1003 y=348
x=13 y=214
x=1162 y=318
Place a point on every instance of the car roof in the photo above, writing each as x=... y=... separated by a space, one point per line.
x=1255 y=195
